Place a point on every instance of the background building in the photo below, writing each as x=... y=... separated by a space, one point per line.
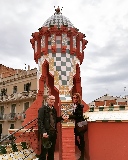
x=108 y=100
x=18 y=90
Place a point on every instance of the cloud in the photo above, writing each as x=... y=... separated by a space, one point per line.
x=104 y=68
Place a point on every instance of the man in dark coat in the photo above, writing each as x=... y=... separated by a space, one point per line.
x=47 y=127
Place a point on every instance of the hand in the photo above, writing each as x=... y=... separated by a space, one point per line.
x=45 y=135
x=65 y=117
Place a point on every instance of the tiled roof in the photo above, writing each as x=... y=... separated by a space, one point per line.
x=58 y=20
x=107 y=97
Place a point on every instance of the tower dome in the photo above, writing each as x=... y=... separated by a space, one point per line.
x=58 y=20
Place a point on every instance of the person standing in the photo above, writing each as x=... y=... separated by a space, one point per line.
x=47 y=127
x=78 y=117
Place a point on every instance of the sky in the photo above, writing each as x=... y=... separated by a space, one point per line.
x=105 y=24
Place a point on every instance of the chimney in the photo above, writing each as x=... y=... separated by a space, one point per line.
x=105 y=104
x=28 y=67
x=17 y=71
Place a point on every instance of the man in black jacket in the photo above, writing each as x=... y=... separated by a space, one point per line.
x=47 y=127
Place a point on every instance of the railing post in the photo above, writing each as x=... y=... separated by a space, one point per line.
x=68 y=141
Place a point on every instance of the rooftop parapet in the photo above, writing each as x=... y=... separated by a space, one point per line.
x=115 y=113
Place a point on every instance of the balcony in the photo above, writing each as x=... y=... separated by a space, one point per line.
x=2 y=117
x=21 y=116
x=18 y=96
x=11 y=117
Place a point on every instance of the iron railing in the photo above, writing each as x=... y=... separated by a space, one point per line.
x=10 y=139
x=1 y=116
x=13 y=116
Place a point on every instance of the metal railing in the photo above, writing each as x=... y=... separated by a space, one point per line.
x=14 y=96
x=10 y=139
x=13 y=116
x=1 y=116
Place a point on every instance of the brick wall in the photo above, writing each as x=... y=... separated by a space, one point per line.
x=68 y=142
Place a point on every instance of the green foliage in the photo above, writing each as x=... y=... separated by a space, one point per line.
x=24 y=145
x=14 y=147
x=3 y=149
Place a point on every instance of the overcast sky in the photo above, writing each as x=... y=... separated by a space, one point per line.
x=105 y=24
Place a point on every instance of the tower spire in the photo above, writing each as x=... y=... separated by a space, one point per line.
x=58 y=10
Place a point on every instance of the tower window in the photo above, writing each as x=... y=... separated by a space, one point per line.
x=64 y=39
x=43 y=41
x=35 y=46
x=53 y=41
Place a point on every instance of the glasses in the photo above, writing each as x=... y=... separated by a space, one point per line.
x=75 y=97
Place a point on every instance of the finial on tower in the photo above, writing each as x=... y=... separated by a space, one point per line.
x=58 y=10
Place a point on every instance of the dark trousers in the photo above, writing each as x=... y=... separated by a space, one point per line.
x=80 y=143
x=50 y=151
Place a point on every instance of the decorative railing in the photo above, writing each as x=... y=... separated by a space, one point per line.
x=1 y=116
x=19 y=143
x=18 y=96
x=13 y=116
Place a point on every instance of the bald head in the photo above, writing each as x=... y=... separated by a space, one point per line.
x=50 y=100
x=51 y=97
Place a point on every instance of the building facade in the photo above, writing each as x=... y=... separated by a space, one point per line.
x=18 y=90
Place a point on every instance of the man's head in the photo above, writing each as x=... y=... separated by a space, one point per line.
x=50 y=100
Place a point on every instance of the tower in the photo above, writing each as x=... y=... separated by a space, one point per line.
x=59 y=51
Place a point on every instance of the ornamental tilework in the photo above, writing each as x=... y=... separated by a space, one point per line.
x=80 y=46
x=74 y=66
x=39 y=73
x=64 y=39
x=70 y=79
x=66 y=108
x=20 y=155
x=56 y=78
x=35 y=46
x=61 y=65
x=65 y=98
x=51 y=64
x=74 y=41
x=46 y=57
x=58 y=20
x=43 y=42
x=53 y=40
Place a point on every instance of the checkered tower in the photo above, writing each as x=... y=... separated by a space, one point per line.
x=59 y=51
x=61 y=45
